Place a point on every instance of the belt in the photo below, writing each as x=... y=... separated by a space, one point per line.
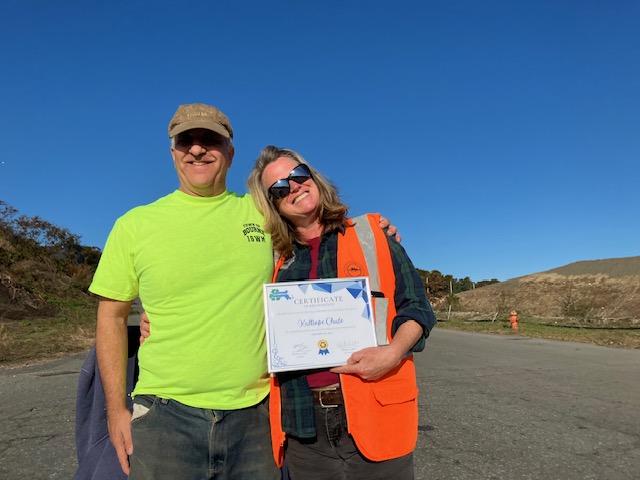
x=328 y=398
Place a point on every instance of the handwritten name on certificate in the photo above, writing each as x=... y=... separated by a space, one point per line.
x=317 y=323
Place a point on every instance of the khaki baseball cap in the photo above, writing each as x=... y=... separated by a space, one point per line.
x=199 y=115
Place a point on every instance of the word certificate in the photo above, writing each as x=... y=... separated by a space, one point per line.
x=317 y=323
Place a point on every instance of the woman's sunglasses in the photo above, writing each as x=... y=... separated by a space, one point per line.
x=281 y=188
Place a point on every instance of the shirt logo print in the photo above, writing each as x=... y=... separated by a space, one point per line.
x=253 y=233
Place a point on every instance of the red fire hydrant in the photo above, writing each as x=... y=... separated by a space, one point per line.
x=513 y=318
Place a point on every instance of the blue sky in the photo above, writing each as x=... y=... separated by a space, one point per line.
x=501 y=137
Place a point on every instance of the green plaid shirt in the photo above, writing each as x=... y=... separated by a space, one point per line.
x=411 y=304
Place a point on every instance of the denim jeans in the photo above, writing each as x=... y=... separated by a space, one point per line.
x=174 y=441
x=333 y=454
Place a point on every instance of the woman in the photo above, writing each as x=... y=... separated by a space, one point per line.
x=357 y=420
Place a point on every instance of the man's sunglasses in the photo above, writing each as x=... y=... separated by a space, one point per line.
x=207 y=139
x=281 y=188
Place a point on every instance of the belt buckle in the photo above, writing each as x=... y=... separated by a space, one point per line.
x=320 y=392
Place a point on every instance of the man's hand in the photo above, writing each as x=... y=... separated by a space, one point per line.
x=120 y=433
x=392 y=230
x=145 y=327
x=371 y=363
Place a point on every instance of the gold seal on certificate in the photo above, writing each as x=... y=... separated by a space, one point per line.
x=317 y=323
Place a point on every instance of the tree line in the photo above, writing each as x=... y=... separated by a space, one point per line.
x=439 y=285
x=25 y=238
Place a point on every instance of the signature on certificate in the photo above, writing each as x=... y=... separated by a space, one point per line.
x=300 y=348
x=348 y=345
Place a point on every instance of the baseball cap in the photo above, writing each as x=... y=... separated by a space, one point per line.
x=199 y=115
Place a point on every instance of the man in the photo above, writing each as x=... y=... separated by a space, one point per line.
x=197 y=258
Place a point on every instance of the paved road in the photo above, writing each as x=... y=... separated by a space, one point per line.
x=492 y=407
x=507 y=407
x=37 y=419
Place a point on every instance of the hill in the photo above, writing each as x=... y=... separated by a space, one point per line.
x=45 y=308
x=611 y=267
x=603 y=291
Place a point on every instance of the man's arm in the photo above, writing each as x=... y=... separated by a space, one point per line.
x=112 y=352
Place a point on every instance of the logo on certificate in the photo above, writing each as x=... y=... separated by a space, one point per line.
x=276 y=295
x=323 y=345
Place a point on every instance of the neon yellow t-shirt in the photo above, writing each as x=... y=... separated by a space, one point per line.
x=198 y=265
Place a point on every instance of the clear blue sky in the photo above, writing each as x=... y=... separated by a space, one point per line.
x=501 y=137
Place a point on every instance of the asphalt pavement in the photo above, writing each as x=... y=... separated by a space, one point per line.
x=491 y=407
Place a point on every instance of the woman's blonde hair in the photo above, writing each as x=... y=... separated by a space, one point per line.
x=332 y=213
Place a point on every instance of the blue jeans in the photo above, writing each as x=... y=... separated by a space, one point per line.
x=333 y=454
x=174 y=441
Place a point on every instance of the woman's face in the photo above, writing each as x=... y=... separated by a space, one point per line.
x=300 y=207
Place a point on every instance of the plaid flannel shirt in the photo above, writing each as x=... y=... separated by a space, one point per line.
x=411 y=304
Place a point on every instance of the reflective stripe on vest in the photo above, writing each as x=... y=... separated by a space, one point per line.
x=367 y=241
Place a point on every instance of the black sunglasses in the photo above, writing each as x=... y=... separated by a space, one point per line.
x=281 y=188
x=207 y=139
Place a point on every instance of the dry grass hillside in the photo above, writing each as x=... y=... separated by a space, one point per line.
x=596 y=291
x=45 y=309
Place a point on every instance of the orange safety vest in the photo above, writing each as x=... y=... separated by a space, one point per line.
x=382 y=415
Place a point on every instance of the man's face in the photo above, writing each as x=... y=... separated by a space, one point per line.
x=202 y=158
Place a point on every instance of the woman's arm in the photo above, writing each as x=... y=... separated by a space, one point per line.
x=411 y=325
x=375 y=362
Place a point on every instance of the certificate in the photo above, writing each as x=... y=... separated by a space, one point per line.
x=317 y=323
